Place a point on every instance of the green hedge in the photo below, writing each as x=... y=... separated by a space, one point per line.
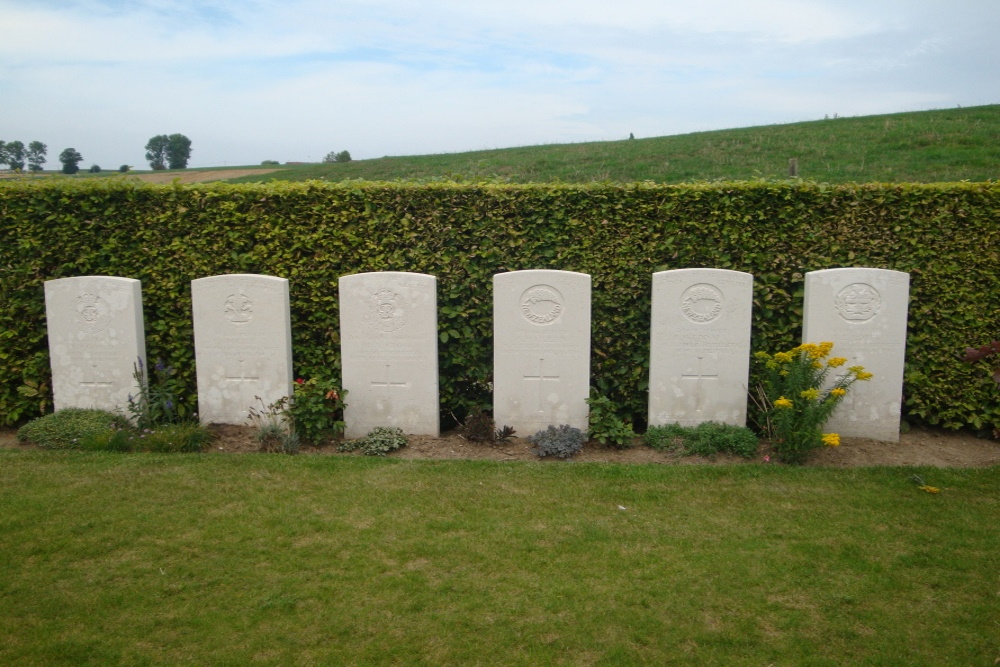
x=947 y=236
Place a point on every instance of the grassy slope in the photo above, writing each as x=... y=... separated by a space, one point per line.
x=158 y=559
x=927 y=146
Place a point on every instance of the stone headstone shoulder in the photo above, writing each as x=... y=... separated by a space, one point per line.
x=863 y=312
x=96 y=337
x=700 y=346
x=389 y=354
x=541 y=349
x=243 y=344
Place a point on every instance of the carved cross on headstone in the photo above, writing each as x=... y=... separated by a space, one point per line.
x=242 y=377
x=94 y=376
x=540 y=378
x=389 y=383
x=697 y=377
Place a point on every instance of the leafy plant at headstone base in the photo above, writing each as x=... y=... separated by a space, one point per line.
x=380 y=441
x=273 y=431
x=68 y=427
x=156 y=403
x=561 y=441
x=316 y=409
x=605 y=425
x=705 y=439
x=793 y=401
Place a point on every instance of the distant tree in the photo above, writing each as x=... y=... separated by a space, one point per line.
x=36 y=155
x=94 y=169
x=14 y=155
x=156 y=151
x=3 y=152
x=70 y=159
x=124 y=168
x=270 y=163
x=334 y=156
x=178 y=151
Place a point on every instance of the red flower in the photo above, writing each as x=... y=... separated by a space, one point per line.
x=300 y=381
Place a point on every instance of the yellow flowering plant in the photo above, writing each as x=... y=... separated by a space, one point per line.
x=796 y=397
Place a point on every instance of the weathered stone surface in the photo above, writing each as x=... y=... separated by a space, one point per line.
x=700 y=346
x=388 y=337
x=96 y=337
x=863 y=312
x=541 y=349
x=243 y=344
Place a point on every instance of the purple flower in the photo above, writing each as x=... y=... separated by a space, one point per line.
x=159 y=366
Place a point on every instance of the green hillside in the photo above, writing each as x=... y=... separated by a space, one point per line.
x=926 y=146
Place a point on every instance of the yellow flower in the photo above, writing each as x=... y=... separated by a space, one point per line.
x=817 y=365
x=784 y=373
x=782 y=402
x=838 y=391
x=771 y=365
x=856 y=369
x=825 y=348
x=783 y=357
x=810 y=394
x=929 y=489
x=836 y=362
x=831 y=439
x=763 y=356
x=863 y=376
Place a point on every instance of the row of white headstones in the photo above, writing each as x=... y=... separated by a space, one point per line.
x=699 y=346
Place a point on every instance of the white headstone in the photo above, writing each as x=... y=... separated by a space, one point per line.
x=699 y=359
x=95 y=339
x=242 y=344
x=541 y=349
x=388 y=339
x=863 y=312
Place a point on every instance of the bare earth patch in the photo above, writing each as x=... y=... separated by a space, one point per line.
x=919 y=447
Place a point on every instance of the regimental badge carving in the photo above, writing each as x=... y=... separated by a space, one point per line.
x=541 y=304
x=386 y=310
x=702 y=303
x=239 y=308
x=92 y=313
x=858 y=302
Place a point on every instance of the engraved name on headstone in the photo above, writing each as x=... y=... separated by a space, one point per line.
x=388 y=337
x=242 y=343
x=541 y=349
x=699 y=346
x=96 y=337
x=863 y=311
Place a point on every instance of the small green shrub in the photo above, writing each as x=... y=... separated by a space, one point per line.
x=379 y=441
x=66 y=428
x=704 y=439
x=272 y=428
x=605 y=426
x=316 y=409
x=560 y=441
x=156 y=403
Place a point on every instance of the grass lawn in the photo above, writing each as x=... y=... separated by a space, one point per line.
x=208 y=559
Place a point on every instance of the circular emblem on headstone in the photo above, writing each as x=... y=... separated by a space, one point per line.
x=541 y=304
x=701 y=303
x=858 y=302
x=92 y=313
x=239 y=308
x=386 y=310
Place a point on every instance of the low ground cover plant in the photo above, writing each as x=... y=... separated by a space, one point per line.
x=380 y=441
x=561 y=441
x=67 y=428
x=796 y=400
x=480 y=427
x=704 y=439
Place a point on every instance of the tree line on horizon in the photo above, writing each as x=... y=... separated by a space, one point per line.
x=162 y=151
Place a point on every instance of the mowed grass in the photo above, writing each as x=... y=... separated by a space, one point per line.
x=922 y=147
x=160 y=559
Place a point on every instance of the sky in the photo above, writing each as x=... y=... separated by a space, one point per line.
x=292 y=80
